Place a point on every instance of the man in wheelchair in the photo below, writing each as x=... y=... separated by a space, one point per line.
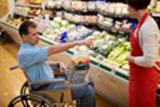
x=34 y=60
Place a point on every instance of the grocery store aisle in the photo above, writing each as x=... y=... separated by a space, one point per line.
x=11 y=81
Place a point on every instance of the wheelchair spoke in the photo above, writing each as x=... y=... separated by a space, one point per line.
x=29 y=100
x=24 y=100
x=23 y=103
x=42 y=105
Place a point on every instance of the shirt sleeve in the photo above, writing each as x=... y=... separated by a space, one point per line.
x=149 y=45
x=32 y=56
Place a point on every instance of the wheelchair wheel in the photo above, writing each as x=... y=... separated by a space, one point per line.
x=29 y=100
x=24 y=89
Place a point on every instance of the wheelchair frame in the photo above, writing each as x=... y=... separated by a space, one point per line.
x=29 y=97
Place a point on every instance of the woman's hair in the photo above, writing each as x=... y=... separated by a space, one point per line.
x=23 y=29
x=138 y=4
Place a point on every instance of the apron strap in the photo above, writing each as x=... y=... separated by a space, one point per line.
x=141 y=22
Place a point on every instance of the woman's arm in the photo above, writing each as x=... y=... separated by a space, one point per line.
x=149 y=44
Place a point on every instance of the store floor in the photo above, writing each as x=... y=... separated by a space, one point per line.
x=11 y=81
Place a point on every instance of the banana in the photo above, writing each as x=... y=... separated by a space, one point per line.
x=115 y=53
x=121 y=58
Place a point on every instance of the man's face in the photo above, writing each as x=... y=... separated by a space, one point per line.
x=32 y=37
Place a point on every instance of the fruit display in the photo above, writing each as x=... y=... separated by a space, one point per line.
x=56 y=27
x=91 y=6
x=22 y=10
x=28 y=11
x=115 y=26
x=78 y=6
x=56 y=4
x=114 y=9
x=111 y=49
x=35 y=12
x=61 y=30
x=157 y=9
x=104 y=22
x=104 y=43
x=15 y=21
x=83 y=19
x=119 y=55
x=78 y=33
x=68 y=5
x=35 y=1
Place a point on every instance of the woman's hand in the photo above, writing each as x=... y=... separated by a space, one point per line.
x=131 y=59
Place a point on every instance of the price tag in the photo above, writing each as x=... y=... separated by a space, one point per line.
x=113 y=71
x=46 y=17
x=43 y=6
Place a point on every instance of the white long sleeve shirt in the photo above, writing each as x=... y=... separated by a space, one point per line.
x=149 y=39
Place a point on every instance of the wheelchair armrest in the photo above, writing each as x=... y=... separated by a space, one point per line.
x=45 y=82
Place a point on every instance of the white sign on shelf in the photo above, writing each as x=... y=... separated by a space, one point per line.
x=42 y=24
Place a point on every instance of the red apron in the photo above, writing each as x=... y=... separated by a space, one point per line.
x=143 y=81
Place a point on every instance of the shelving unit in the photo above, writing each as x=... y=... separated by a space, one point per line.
x=28 y=5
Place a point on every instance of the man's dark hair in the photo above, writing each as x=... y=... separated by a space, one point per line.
x=138 y=4
x=23 y=29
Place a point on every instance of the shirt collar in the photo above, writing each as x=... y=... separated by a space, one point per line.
x=27 y=45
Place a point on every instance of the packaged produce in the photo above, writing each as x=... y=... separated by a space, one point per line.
x=91 y=6
x=81 y=56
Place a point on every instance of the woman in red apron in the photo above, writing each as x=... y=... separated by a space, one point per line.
x=143 y=80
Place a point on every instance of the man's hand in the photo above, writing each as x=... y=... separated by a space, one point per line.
x=87 y=42
x=63 y=68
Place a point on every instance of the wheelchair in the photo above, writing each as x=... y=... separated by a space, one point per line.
x=30 y=97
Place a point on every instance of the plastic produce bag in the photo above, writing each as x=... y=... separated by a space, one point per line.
x=81 y=58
